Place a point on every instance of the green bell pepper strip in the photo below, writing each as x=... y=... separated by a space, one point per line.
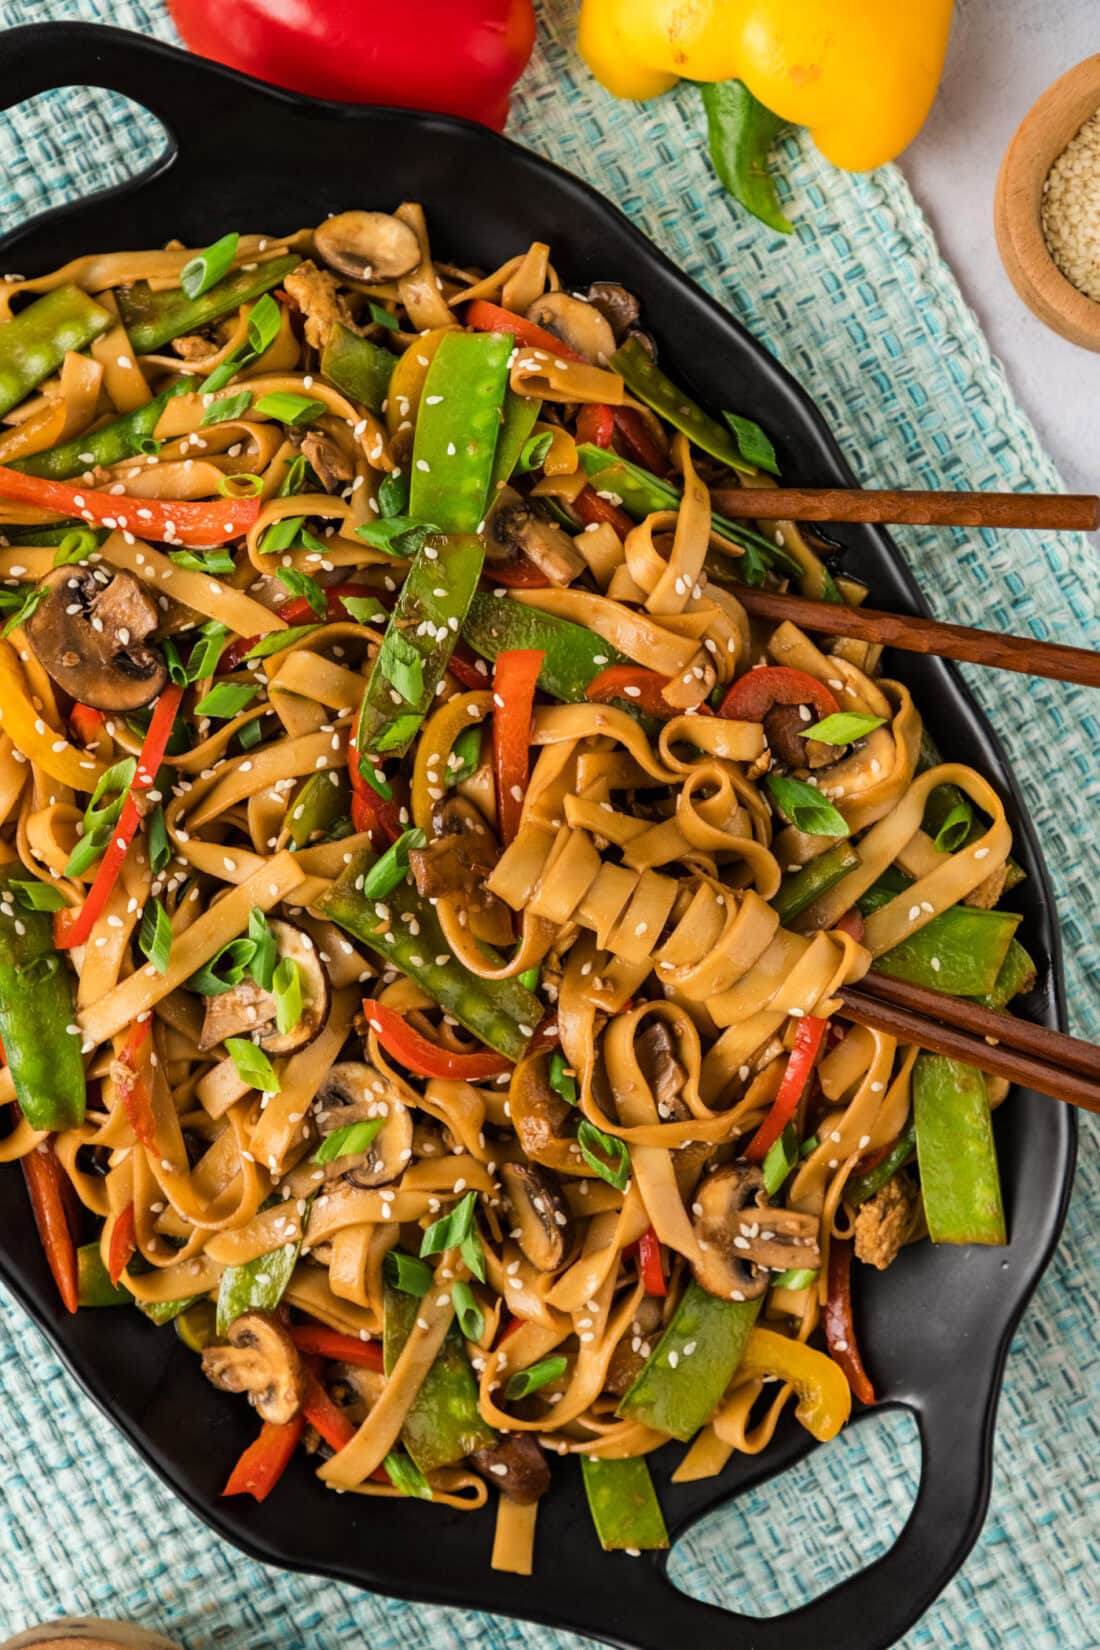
x=623 y=1503
x=501 y=1013
x=358 y=367
x=1018 y=974
x=443 y=1423
x=108 y=445
x=800 y=888
x=155 y=318
x=863 y=1186
x=162 y=1312
x=457 y=427
x=518 y=418
x=419 y=640
x=574 y=656
x=679 y=1395
x=37 y=1010
x=960 y=1181
x=322 y=800
x=93 y=1282
x=258 y=1285
x=740 y=132
x=34 y=343
x=969 y=945
x=641 y=374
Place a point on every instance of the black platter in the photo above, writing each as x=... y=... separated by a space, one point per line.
x=937 y=1328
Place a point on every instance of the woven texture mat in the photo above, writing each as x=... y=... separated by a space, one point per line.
x=861 y=308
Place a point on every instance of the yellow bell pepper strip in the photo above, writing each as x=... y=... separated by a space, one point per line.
x=623 y=1504
x=68 y=764
x=740 y=132
x=35 y=342
x=960 y=1181
x=824 y=1396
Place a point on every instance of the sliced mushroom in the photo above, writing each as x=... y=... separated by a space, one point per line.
x=515 y=527
x=460 y=856
x=741 y=1237
x=329 y=463
x=542 y=1222
x=90 y=633
x=634 y=1348
x=259 y=1358
x=661 y=1069
x=368 y=246
x=576 y=323
x=784 y=729
x=516 y=1465
x=353 y=1092
x=541 y=1118
x=248 y=1010
x=619 y=307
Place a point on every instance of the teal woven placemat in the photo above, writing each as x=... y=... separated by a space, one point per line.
x=861 y=308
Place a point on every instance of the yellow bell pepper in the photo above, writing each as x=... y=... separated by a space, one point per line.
x=824 y=1396
x=859 y=74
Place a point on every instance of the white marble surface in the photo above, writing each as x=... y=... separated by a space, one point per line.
x=1003 y=54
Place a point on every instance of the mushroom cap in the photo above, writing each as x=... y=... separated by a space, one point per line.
x=354 y=1092
x=89 y=632
x=514 y=526
x=526 y=1475
x=542 y=1222
x=368 y=246
x=259 y=1358
x=577 y=323
x=542 y=1119
x=247 y=1009
x=619 y=307
x=741 y=1236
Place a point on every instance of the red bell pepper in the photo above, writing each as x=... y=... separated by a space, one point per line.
x=298 y=612
x=74 y=925
x=518 y=573
x=459 y=57
x=468 y=671
x=515 y=677
x=648 y=1249
x=638 y=686
x=46 y=1185
x=596 y=425
x=266 y=1459
x=370 y=811
x=851 y=923
x=335 y=1427
x=423 y=1057
x=593 y=510
x=753 y=695
x=483 y=316
x=807 y=1043
x=636 y=441
x=121 y=1243
x=208 y=522
x=131 y=1086
x=86 y=722
x=840 y=1330
x=323 y=1342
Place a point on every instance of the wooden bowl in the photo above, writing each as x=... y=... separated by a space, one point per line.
x=1043 y=133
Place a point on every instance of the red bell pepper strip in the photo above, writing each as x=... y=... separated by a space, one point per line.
x=753 y=695
x=371 y=812
x=319 y=1339
x=73 y=926
x=424 y=1058
x=649 y=1263
x=840 y=1329
x=468 y=671
x=595 y=425
x=482 y=316
x=638 y=686
x=46 y=1184
x=593 y=510
x=266 y=1459
x=851 y=923
x=195 y=525
x=335 y=1427
x=298 y=612
x=515 y=677
x=121 y=1243
x=518 y=573
x=807 y=1042
x=636 y=441
x=131 y=1086
x=86 y=722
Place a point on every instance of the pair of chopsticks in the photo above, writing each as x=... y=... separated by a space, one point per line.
x=1037 y=1058
x=1026 y=654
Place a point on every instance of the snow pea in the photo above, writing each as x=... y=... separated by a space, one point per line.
x=109 y=445
x=678 y=1394
x=35 y=342
x=968 y=945
x=444 y=1423
x=863 y=1186
x=37 y=1009
x=358 y=367
x=960 y=1181
x=574 y=655
x=418 y=642
x=155 y=318
x=322 y=801
x=257 y=1285
x=93 y=1282
x=800 y=888
x=641 y=374
x=519 y=416
x=501 y=1013
x=1018 y=974
x=457 y=427
x=623 y=1504
x=162 y=1312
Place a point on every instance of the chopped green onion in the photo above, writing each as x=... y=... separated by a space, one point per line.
x=401 y=665
x=205 y=654
x=155 y=936
x=471 y=1319
x=160 y=849
x=805 y=807
x=253 y=1065
x=605 y=1153
x=955 y=829
x=363 y=609
x=227 y=700
x=466 y=755
x=393 y=494
x=251 y=733
x=289 y=408
x=808 y=1147
x=795 y=1277
x=407 y=1273
x=295 y=479
x=782 y=1157
x=101 y=815
x=526 y=1381
x=278 y=639
x=38 y=896
x=203 y=561
x=376 y=779
x=351 y=1141
x=207 y=268
x=265 y=956
x=391 y=867
x=383 y=317
x=286 y=988
x=225 y=969
x=397 y=535
x=75 y=547
x=264 y=322
x=533 y=453
x=406 y=1476
x=530 y=978
x=281 y=535
x=457 y=1231
x=396 y=734
x=227 y=407
x=843 y=728
x=241 y=484
x=752 y=443
x=301 y=584
x=562 y=1080
x=34 y=597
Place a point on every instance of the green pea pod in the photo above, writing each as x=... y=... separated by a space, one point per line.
x=961 y=951
x=623 y=1503
x=443 y=1423
x=960 y=1181
x=197 y=1325
x=361 y=369
x=322 y=800
x=108 y=445
x=800 y=888
x=34 y=343
x=93 y=1281
x=863 y=1186
x=155 y=318
x=519 y=416
x=574 y=655
x=418 y=642
x=741 y=132
x=1018 y=974
x=677 y=1391
x=257 y=1285
x=642 y=375
x=162 y=1312
x=457 y=427
x=501 y=1013
x=38 y=1019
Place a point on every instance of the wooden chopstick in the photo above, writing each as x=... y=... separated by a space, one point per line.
x=1051 y=512
x=998 y=1059
x=1025 y=654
